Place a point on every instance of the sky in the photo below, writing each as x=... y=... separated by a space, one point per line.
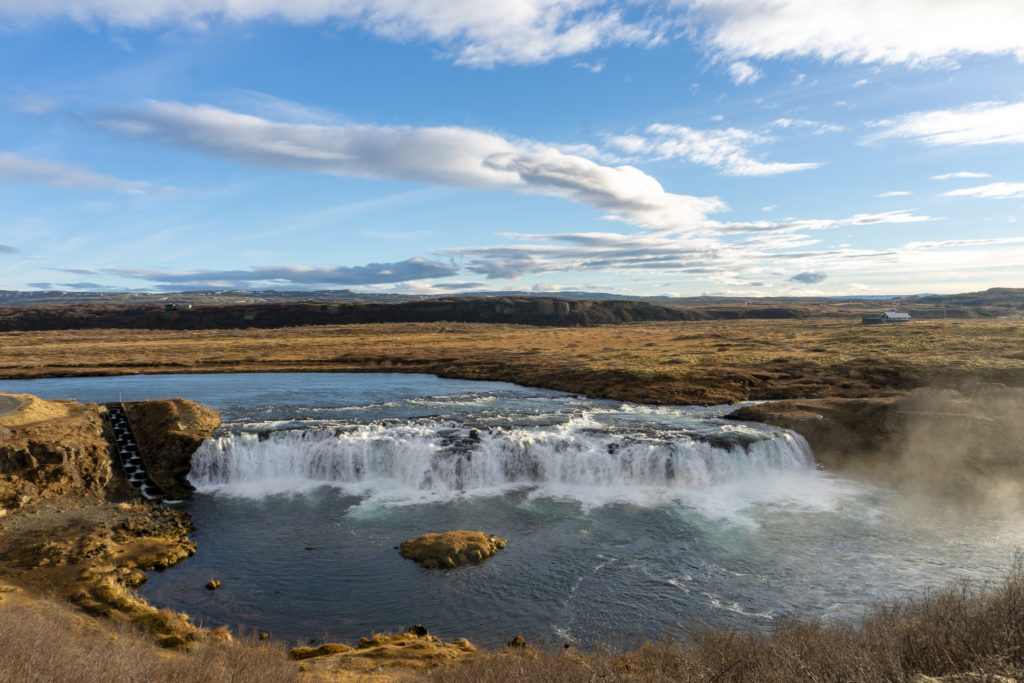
x=674 y=147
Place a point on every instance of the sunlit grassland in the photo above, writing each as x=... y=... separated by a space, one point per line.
x=700 y=362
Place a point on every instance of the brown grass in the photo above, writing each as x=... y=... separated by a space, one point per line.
x=45 y=640
x=679 y=362
x=962 y=629
x=967 y=630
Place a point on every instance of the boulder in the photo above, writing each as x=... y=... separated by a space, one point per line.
x=451 y=548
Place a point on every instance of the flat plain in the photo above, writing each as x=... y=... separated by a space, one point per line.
x=699 y=362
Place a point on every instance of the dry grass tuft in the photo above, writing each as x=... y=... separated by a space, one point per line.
x=45 y=640
x=961 y=630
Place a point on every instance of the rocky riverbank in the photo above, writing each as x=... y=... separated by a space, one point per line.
x=70 y=523
x=968 y=445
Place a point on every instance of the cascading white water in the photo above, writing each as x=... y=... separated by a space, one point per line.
x=446 y=457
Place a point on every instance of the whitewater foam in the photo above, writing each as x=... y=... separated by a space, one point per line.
x=580 y=459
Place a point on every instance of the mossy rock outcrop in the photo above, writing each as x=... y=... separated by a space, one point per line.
x=451 y=548
x=414 y=649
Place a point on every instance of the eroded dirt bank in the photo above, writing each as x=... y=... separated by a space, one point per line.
x=70 y=523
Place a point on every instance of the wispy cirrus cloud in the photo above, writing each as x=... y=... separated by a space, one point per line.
x=477 y=34
x=447 y=155
x=34 y=104
x=913 y=32
x=485 y=34
x=7 y=249
x=712 y=253
x=990 y=191
x=981 y=123
x=15 y=168
x=814 y=127
x=728 y=149
x=961 y=174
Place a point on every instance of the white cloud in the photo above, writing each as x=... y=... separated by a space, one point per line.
x=288 y=276
x=866 y=31
x=710 y=254
x=742 y=72
x=15 y=168
x=982 y=123
x=816 y=127
x=484 y=34
x=948 y=244
x=34 y=104
x=961 y=174
x=990 y=191
x=893 y=193
x=899 y=216
x=479 y=34
x=861 y=83
x=727 y=149
x=444 y=155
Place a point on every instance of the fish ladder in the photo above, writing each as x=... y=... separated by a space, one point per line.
x=130 y=456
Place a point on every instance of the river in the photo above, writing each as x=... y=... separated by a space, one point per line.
x=625 y=522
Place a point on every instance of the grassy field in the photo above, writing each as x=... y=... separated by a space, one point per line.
x=679 y=362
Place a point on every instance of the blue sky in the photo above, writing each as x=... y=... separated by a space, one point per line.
x=682 y=147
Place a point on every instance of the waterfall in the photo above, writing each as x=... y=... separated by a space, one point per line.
x=447 y=457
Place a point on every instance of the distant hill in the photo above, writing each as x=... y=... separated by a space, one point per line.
x=513 y=310
x=267 y=309
x=1003 y=297
x=218 y=296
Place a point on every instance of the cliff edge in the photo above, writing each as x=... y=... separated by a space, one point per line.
x=168 y=432
x=966 y=445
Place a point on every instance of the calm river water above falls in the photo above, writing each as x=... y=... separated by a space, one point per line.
x=624 y=521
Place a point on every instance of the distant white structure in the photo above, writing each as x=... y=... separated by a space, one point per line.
x=887 y=317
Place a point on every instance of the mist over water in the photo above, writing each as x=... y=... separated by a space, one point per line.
x=624 y=521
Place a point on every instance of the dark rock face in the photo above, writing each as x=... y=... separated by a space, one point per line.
x=168 y=432
x=965 y=446
x=524 y=310
x=837 y=429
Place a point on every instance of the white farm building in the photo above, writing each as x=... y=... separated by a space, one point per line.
x=887 y=317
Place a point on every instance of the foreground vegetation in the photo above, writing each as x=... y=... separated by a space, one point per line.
x=964 y=632
x=699 y=362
